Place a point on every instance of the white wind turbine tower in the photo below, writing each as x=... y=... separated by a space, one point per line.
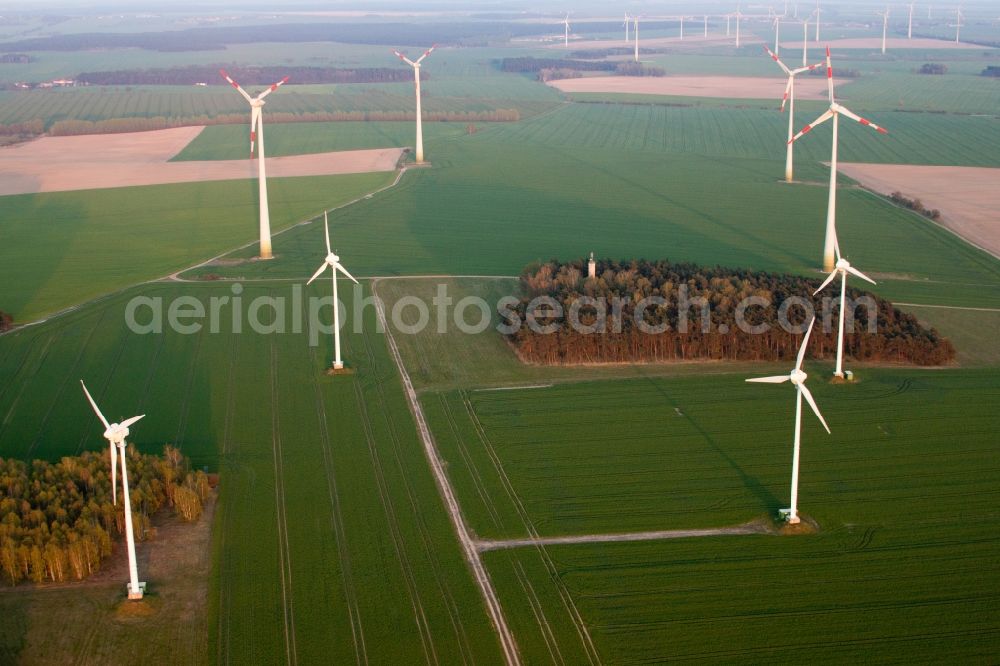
x=789 y=98
x=333 y=261
x=958 y=24
x=706 y=26
x=626 y=27
x=738 y=16
x=682 y=27
x=728 y=23
x=566 y=24
x=798 y=379
x=116 y=433
x=816 y=14
x=835 y=111
x=635 y=30
x=885 y=26
x=257 y=135
x=777 y=34
x=415 y=64
x=909 y=25
x=842 y=268
x=805 y=41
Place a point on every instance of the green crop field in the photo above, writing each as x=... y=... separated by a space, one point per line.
x=901 y=503
x=331 y=541
x=61 y=248
x=222 y=142
x=619 y=199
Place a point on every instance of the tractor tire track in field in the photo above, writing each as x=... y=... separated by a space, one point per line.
x=477 y=478
x=472 y=555
x=23 y=385
x=284 y=553
x=581 y=627
x=420 y=616
x=225 y=600
x=454 y=613
x=337 y=520
x=186 y=405
x=67 y=378
x=536 y=608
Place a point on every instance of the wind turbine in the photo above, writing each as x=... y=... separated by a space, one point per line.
x=835 y=111
x=958 y=24
x=816 y=14
x=566 y=24
x=682 y=27
x=333 y=261
x=626 y=28
x=909 y=27
x=636 y=31
x=706 y=26
x=777 y=34
x=842 y=268
x=789 y=98
x=885 y=26
x=728 y=21
x=805 y=41
x=116 y=433
x=739 y=15
x=798 y=379
x=415 y=64
x=257 y=135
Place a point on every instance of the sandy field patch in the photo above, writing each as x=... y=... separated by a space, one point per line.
x=59 y=164
x=730 y=87
x=968 y=197
x=890 y=44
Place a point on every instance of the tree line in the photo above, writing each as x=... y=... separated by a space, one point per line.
x=143 y=124
x=58 y=522
x=897 y=336
x=247 y=76
x=916 y=205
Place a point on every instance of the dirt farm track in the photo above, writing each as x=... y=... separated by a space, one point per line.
x=57 y=164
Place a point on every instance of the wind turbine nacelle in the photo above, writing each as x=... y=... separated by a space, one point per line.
x=843 y=264
x=332 y=259
x=798 y=377
x=116 y=434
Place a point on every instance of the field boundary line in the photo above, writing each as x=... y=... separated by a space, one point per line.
x=472 y=556
x=754 y=527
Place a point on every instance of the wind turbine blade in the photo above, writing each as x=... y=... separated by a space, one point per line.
x=812 y=403
x=854 y=271
x=776 y=59
x=404 y=59
x=807 y=68
x=317 y=273
x=272 y=88
x=254 y=123
x=836 y=244
x=781 y=379
x=426 y=53
x=829 y=75
x=811 y=126
x=132 y=420
x=864 y=121
x=805 y=343
x=344 y=271
x=235 y=85
x=114 y=471
x=94 y=405
x=784 y=98
x=326 y=231
x=826 y=282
